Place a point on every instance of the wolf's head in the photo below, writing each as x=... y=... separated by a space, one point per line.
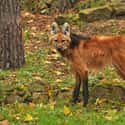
x=60 y=37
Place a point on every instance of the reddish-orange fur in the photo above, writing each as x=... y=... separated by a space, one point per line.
x=98 y=52
x=89 y=53
x=94 y=54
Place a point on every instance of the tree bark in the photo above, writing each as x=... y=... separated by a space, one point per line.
x=66 y=4
x=11 y=43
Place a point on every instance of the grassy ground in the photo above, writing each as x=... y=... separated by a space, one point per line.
x=44 y=64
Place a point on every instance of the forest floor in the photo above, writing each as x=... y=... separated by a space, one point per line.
x=39 y=93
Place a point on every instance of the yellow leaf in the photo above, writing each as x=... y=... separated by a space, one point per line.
x=66 y=110
x=62 y=64
x=66 y=89
x=17 y=118
x=30 y=21
x=100 y=101
x=38 y=78
x=22 y=87
x=49 y=93
x=25 y=14
x=104 y=81
x=47 y=62
x=108 y=117
x=124 y=109
x=28 y=118
x=58 y=72
x=115 y=81
x=58 y=80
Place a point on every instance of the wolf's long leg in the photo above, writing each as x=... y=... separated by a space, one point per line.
x=85 y=89
x=76 y=88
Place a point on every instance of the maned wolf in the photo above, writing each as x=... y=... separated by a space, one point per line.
x=88 y=53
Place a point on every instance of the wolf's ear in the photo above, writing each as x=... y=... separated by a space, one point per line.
x=54 y=28
x=66 y=29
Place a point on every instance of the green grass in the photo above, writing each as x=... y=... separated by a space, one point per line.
x=43 y=114
x=98 y=3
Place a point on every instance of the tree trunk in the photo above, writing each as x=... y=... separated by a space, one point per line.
x=11 y=44
x=66 y=4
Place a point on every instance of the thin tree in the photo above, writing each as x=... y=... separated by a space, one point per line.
x=11 y=43
x=66 y=4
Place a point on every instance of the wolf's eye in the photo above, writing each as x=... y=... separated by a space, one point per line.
x=56 y=40
x=63 y=40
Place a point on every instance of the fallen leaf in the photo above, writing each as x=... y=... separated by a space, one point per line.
x=25 y=14
x=58 y=80
x=100 y=101
x=66 y=110
x=30 y=21
x=62 y=64
x=49 y=92
x=38 y=78
x=22 y=87
x=115 y=81
x=28 y=118
x=65 y=89
x=58 y=72
x=47 y=62
x=108 y=117
x=124 y=109
x=104 y=81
